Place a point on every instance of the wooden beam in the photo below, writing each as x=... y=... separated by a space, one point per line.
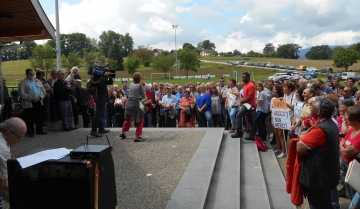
x=22 y=32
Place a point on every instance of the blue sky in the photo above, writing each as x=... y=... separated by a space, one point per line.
x=231 y=24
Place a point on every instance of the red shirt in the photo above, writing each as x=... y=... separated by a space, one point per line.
x=351 y=142
x=149 y=95
x=249 y=88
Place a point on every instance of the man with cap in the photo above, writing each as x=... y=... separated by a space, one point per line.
x=81 y=105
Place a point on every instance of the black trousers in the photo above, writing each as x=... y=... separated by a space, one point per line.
x=120 y=116
x=83 y=109
x=34 y=115
x=168 y=121
x=217 y=122
x=260 y=122
x=318 y=199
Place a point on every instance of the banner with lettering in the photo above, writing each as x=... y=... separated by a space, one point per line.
x=280 y=114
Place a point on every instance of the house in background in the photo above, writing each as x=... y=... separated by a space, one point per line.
x=157 y=52
x=207 y=53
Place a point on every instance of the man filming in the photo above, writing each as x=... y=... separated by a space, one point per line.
x=100 y=101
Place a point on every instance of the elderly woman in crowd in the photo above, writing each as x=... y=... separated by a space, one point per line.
x=279 y=133
x=203 y=105
x=232 y=102
x=132 y=108
x=215 y=107
x=350 y=144
x=186 y=110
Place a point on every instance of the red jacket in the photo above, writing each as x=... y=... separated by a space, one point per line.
x=293 y=165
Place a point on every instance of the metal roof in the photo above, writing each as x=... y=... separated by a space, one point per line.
x=24 y=20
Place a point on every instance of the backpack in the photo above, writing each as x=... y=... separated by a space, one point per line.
x=91 y=88
x=260 y=144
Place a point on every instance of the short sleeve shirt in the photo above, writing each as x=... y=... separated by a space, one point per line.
x=314 y=138
x=249 y=88
x=4 y=156
x=351 y=142
x=264 y=107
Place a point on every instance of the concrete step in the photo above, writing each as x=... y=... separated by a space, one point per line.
x=253 y=191
x=274 y=180
x=224 y=191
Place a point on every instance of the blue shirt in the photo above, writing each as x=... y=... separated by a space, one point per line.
x=178 y=97
x=126 y=91
x=352 y=98
x=34 y=88
x=327 y=90
x=204 y=99
x=168 y=100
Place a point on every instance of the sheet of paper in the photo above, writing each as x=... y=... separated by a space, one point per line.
x=52 y=154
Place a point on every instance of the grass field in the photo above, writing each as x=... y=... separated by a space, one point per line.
x=14 y=71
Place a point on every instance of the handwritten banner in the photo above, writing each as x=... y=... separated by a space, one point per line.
x=280 y=114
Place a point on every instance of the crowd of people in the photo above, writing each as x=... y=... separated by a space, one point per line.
x=325 y=117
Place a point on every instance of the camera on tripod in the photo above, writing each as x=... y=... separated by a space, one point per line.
x=98 y=72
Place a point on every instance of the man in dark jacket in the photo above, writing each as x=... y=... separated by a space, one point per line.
x=81 y=105
x=62 y=90
x=319 y=172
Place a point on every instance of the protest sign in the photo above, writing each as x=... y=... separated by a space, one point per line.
x=280 y=114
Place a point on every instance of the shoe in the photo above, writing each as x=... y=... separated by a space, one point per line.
x=104 y=131
x=250 y=138
x=42 y=133
x=66 y=129
x=236 y=135
x=76 y=126
x=231 y=131
x=122 y=136
x=31 y=135
x=139 y=139
x=282 y=155
x=95 y=134
x=72 y=128
x=276 y=152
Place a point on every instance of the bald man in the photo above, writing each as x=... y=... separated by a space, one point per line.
x=11 y=132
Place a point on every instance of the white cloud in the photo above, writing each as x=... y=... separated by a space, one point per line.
x=245 y=18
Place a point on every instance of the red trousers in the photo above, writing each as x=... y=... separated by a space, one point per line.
x=139 y=126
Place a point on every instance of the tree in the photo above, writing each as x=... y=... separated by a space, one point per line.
x=73 y=59
x=356 y=47
x=94 y=58
x=188 y=60
x=188 y=46
x=65 y=63
x=163 y=63
x=128 y=44
x=43 y=57
x=288 y=51
x=131 y=64
x=143 y=53
x=344 y=58
x=269 y=50
x=206 y=45
x=322 y=52
x=236 y=53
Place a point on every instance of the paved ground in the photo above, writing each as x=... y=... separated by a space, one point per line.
x=164 y=154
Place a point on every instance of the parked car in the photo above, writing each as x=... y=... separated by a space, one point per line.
x=334 y=75
x=311 y=69
x=262 y=65
x=270 y=65
x=346 y=75
x=280 y=67
x=289 y=67
x=241 y=63
x=282 y=78
x=301 y=68
x=275 y=75
x=235 y=63
x=357 y=77
x=326 y=70
x=312 y=74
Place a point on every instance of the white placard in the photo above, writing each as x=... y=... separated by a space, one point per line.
x=280 y=114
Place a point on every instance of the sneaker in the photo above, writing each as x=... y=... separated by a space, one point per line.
x=122 y=136
x=282 y=155
x=236 y=135
x=139 y=139
x=95 y=134
x=276 y=152
x=104 y=131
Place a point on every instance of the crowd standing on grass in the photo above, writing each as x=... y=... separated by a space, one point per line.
x=325 y=117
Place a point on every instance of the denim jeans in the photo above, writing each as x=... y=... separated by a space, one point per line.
x=66 y=114
x=99 y=118
x=208 y=116
x=232 y=113
x=239 y=120
x=111 y=121
x=46 y=102
x=148 y=119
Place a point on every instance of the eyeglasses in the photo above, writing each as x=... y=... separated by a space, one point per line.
x=16 y=135
x=221 y=81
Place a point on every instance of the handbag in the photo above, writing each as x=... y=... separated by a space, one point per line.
x=353 y=175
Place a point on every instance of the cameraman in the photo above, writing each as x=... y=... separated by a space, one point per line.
x=100 y=102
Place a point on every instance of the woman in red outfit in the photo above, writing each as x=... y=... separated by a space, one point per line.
x=350 y=145
x=186 y=102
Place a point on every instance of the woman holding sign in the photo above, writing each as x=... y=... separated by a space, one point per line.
x=279 y=133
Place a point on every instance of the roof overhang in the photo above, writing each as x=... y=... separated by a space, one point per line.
x=24 y=20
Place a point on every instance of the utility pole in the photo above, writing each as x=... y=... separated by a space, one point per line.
x=176 y=63
x=58 y=44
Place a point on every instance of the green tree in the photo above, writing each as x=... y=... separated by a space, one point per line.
x=131 y=64
x=344 y=58
x=236 y=53
x=206 y=45
x=288 y=51
x=322 y=52
x=73 y=59
x=269 y=50
x=143 y=53
x=188 y=60
x=356 y=47
x=94 y=58
x=188 y=46
x=163 y=63
x=43 y=57
x=65 y=63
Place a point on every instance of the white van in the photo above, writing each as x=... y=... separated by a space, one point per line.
x=275 y=75
x=346 y=75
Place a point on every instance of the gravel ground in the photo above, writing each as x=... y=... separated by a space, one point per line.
x=164 y=155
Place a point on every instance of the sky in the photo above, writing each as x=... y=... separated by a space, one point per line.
x=230 y=24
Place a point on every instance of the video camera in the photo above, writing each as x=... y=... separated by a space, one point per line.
x=99 y=71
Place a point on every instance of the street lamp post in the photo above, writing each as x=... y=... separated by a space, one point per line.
x=176 y=62
x=58 y=44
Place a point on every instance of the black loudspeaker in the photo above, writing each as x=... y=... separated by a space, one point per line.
x=83 y=180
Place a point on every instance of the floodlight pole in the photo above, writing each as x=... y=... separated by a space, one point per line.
x=58 y=44
x=176 y=62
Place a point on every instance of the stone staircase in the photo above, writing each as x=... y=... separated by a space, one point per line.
x=231 y=173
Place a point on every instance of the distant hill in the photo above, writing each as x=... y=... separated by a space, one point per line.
x=304 y=51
